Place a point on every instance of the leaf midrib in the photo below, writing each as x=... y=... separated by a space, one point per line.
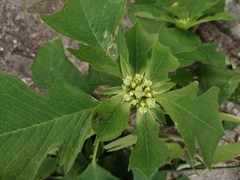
x=188 y=112
x=46 y=122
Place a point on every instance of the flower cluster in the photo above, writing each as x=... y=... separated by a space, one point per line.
x=184 y=21
x=138 y=92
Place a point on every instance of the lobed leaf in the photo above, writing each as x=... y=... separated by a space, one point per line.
x=96 y=77
x=96 y=172
x=113 y=118
x=98 y=58
x=149 y=151
x=33 y=124
x=121 y=143
x=161 y=63
x=197 y=118
x=51 y=56
x=93 y=24
x=122 y=44
x=226 y=152
x=194 y=8
x=177 y=40
x=139 y=44
x=205 y=53
x=226 y=80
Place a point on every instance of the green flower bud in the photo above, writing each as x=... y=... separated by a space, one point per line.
x=143 y=103
x=147 y=90
x=131 y=93
x=138 y=76
x=124 y=87
x=149 y=95
x=134 y=102
x=175 y=4
x=133 y=84
x=126 y=97
x=126 y=82
x=142 y=110
x=150 y=102
x=154 y=92
x=147 y=83
x=129 y=78
x=138 y=92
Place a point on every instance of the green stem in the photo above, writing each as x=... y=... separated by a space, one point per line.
x=170 y=136
x=229 y=117
x=95 y=151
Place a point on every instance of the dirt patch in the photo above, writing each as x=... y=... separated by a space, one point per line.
x=22 y=33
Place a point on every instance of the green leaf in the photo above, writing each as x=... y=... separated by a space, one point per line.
x=149 y=10
x=47 y=167
x=219 y=16
x=196 y=118
x=158 y=114
x=183 y=177
x=206 y=54
x=217 y=8
x=96 y=172
x=161 y=63
x=139 y=44
x=77 y=20
x=91 y=22
x=122 y=44
x=96 y=78
x=196 y=7
x=162 y=87
x=156 y=175
x=121 y=143
x=114 y=114
x=229 y=125
x=182 y=77
x=226 y=152
x=98 y=58
x=52 y=56
x=184 y=14
x=176 y=39
x=33 y=124
x=176 y=150
x=126 y=71
x=149 y=151
x=226 y=80
x=113 y=90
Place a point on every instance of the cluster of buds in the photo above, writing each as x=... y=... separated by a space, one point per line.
x=184 y=21
x=138 y=92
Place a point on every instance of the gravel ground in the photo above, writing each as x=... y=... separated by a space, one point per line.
x=22 y=33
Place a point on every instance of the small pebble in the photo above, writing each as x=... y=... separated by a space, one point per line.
x=1 y=49
x=15 y=41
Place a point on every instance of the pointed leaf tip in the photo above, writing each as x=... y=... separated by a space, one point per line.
x=197 y=118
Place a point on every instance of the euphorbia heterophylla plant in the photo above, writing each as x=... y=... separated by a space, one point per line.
x=134 y=64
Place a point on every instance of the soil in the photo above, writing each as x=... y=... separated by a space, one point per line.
x=22 y=33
